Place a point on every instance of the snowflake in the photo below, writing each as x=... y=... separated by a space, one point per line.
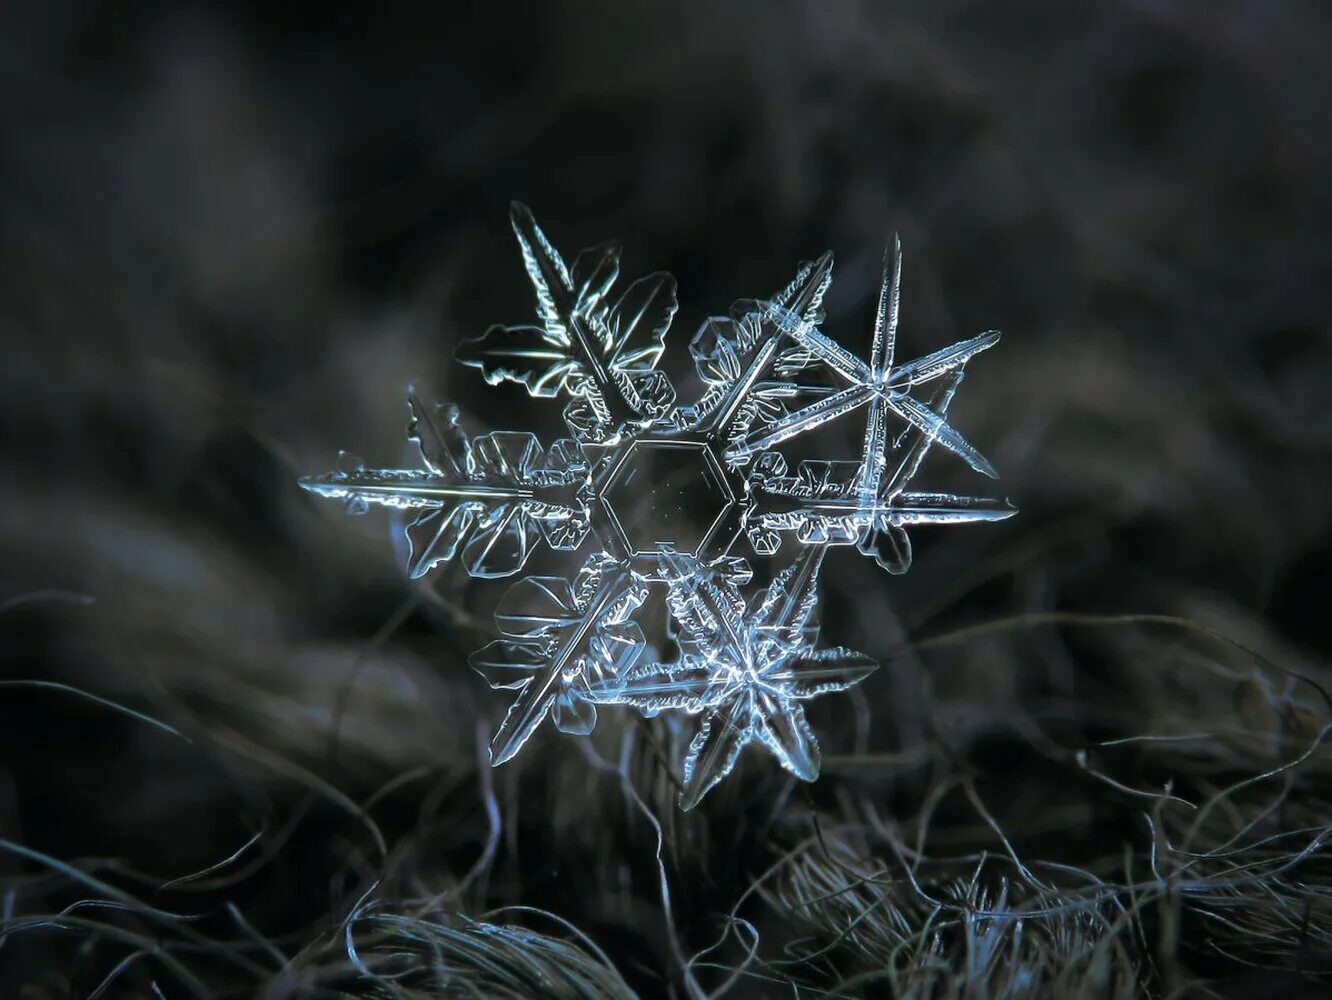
x=665 y=492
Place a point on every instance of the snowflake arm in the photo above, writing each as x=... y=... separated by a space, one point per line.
x=731 y=353
x=882 y=348
x=492 y=497
x=865 y=388
x=875 y=383
x=833 y=507
x=745 y=671
x=603 y=355
x=559 y=640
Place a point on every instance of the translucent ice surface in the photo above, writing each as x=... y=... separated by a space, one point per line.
x=659 y=493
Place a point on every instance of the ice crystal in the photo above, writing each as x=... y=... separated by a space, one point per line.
x=665 y=491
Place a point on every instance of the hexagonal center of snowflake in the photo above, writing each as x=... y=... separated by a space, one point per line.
x=666 y=493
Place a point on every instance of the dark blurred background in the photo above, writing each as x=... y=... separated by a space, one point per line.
x=231 y=235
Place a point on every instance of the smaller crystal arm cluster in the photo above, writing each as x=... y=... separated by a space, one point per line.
x=661 y=493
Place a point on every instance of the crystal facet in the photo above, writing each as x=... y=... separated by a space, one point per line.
x=666 y=494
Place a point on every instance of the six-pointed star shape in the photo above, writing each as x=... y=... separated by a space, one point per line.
x=664 y=491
